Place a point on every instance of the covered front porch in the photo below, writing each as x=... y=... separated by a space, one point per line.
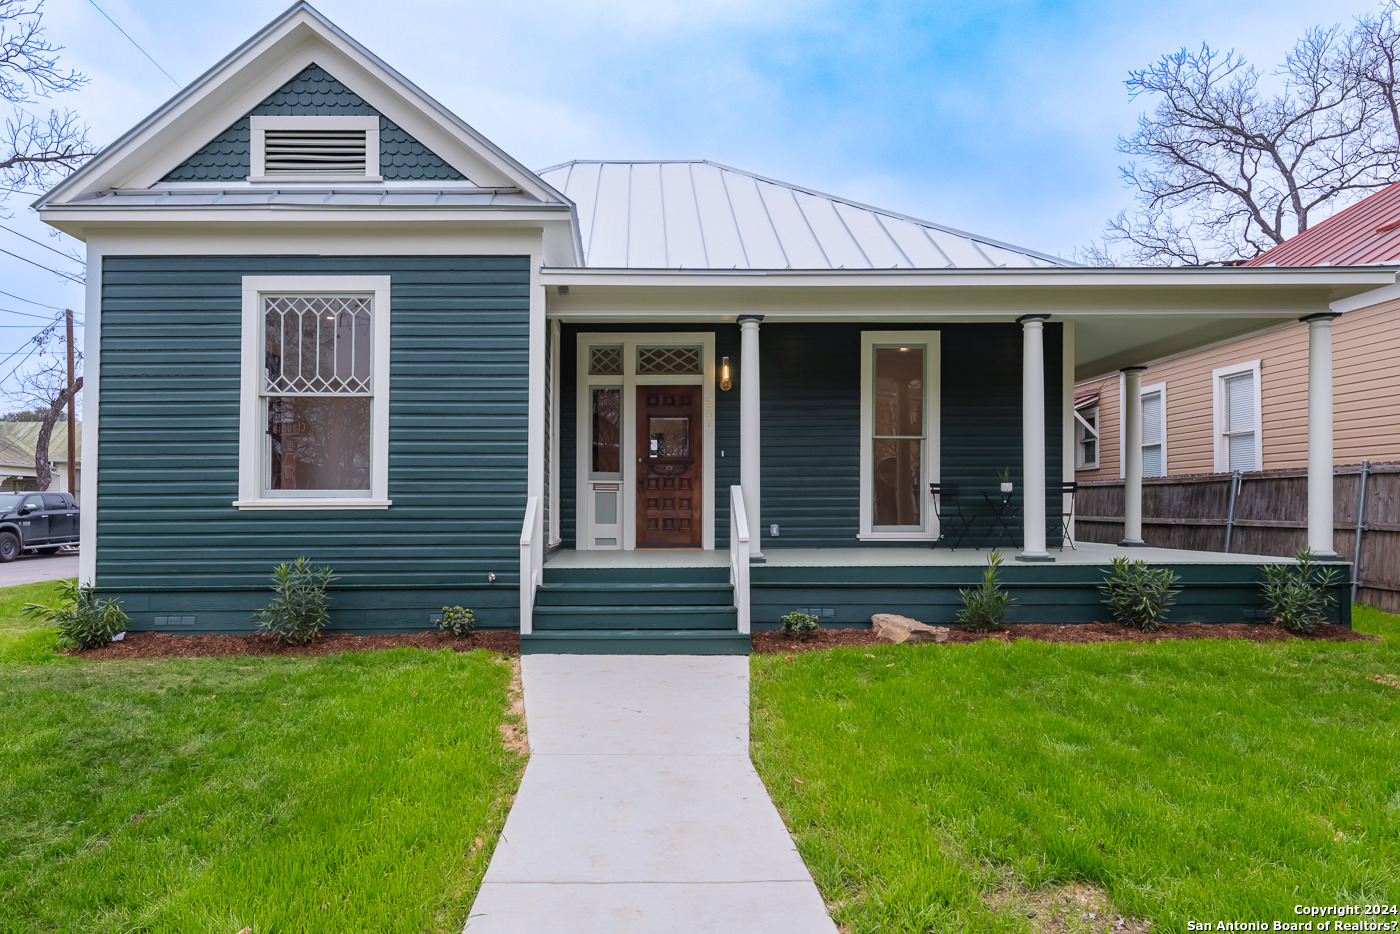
x=854 y=439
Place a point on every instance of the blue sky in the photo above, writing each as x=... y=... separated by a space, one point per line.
x=1000 y=117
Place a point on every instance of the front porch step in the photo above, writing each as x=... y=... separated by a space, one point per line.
x=635 y=642
x=632 y=576
x=634 y=594
x=636 y=617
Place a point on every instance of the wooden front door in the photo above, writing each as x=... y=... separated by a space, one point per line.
x=669 y=434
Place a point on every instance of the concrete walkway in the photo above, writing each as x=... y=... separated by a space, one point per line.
x=640 y=810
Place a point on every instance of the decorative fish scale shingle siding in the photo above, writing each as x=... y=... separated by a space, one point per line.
x=811 y=424
x=313 y=93
x=168 y=448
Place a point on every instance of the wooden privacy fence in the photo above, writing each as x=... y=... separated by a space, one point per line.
x=1263 y=513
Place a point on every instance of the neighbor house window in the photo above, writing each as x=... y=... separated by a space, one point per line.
x=1086 y=438
x=315 y=408
x=1154 y=430
x=1237 y=418
x=899 y=427
x=313 y=148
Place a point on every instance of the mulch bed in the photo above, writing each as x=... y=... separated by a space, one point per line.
x=166 y=644
x=775 y=643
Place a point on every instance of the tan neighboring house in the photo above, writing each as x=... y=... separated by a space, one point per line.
x=17 y=443
x=1242 y=405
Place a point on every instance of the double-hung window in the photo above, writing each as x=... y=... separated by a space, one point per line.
x=1086 y=438
x=1154 y=430
x=315 y=393
x=1237 y=418
x=899 y=434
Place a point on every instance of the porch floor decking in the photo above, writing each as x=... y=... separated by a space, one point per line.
x=1086 y=553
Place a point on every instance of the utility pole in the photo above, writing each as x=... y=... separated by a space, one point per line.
x=72 y=442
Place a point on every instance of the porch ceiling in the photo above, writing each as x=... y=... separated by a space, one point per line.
x=1123 y=316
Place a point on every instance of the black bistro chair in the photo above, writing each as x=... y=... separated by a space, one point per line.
x=1066 y=488
x=947 y=506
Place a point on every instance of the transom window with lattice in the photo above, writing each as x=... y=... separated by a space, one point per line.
x=605 y=361
x=653 y=360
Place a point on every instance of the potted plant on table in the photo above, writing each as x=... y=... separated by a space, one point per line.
x=1005 y=475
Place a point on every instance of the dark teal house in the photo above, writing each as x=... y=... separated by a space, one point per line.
x=623 y=406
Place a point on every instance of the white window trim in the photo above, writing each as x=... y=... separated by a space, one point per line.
x=629 y=380
x=1222 y=451
x=250 y=425
x=257 y=146
x=1097 y=433
x=1123 y=428
x=932 y=417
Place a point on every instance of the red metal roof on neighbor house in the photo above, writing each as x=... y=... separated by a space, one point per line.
x=1365 y=233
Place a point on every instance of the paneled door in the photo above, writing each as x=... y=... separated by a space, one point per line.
x=669 y=436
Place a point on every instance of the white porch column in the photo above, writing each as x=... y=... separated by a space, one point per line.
x=1320 y=434
x=1033 y=437
x=749 y=439
x=1132 y=457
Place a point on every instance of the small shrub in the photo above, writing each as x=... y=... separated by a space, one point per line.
x=984 y=607
x=298 y=610
x=1139 y=595
x=458 y=621
x=81 y=620
x=799 y=624
x=1297 y=596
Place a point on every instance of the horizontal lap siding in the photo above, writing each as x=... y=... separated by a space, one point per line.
x=168 y=449
x=1365 y=389
x=810 y=434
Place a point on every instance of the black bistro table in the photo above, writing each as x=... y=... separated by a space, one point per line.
x=1003 y=512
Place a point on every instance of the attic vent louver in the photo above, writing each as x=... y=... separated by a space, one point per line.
x=314 y=152
x=314 y=147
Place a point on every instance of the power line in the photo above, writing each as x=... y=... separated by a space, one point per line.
x=42 y=244
x=19 y=364
x=42 y=266
x=29 y=301
x=33 y=344
x=133 y=42
x=27 y=314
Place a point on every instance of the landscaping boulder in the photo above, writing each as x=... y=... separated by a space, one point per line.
x=893 y=628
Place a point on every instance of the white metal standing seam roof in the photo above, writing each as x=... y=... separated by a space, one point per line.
x=703 y=215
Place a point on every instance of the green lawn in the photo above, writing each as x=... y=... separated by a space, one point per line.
x=1207 y=780
x=351 y=793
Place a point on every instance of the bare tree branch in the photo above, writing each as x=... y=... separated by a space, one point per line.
x=1228 y=168
x=35 y=149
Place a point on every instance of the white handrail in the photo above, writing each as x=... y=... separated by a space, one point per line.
x=527 y=567
x=739 y=554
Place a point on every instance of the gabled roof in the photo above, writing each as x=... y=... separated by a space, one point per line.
x=282 y=50
x=1367 y=233
x=19 y=439
x=704 y=215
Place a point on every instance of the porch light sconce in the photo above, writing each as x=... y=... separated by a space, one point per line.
x=724 y=381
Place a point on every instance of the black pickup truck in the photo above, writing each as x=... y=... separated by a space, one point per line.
x=36 y=522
